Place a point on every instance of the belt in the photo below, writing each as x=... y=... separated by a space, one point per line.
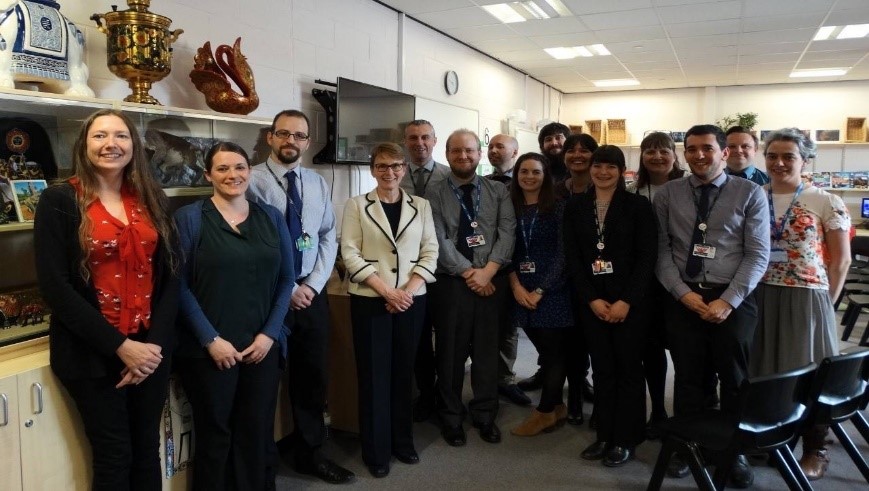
x=705 y=285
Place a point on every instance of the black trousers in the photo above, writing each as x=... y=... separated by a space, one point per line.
x=466 y=324
x=551 y=344
x=694 y=342
x=578 y=360
x=619 y=389
x=308 y=378
x=233 y=418
x=424 y=365
x=654 y=356
x=123 y=427
x=508 y=343
x=385 y=348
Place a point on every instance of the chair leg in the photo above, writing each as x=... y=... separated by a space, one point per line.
x=849 y=319
x=848 y=310
x=790 y=469
x=661 y=465
x=695 y=462
x=839 y=300
x=864 y=339
x=859 y=422
x=849 y=446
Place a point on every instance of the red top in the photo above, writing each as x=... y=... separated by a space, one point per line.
x=120 y=262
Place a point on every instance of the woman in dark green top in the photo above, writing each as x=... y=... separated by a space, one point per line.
x=235 y=290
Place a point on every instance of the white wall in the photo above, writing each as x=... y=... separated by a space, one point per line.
x=290 y=43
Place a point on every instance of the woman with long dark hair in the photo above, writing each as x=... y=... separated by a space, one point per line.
x=610 y=243
x=106 y=261
x=538 y=282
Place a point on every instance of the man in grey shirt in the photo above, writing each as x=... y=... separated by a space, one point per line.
x=475 y=224
x=713 y=250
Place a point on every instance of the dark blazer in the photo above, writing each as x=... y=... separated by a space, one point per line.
x=82 y=342
x=630 y=234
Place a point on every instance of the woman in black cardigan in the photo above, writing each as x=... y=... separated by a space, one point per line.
x=105 y=258
x=610 y=242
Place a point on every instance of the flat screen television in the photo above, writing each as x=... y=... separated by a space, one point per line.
x=364 y=115
x=864 y=208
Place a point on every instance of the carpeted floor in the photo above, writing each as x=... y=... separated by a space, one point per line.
x=547 y=461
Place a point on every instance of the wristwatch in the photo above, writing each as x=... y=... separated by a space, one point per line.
x=538 y=291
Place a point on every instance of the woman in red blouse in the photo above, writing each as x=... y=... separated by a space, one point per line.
x=105 y=259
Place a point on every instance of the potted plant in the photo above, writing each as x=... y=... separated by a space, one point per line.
x=746 y=120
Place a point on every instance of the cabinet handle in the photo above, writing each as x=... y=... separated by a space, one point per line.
x=5 y=402
x=38 y=387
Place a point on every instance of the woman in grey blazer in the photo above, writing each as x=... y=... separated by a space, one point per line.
x=390 y=249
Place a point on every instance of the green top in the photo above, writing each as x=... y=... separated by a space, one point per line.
x=236 y=273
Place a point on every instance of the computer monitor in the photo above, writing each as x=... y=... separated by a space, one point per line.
x=864 y=209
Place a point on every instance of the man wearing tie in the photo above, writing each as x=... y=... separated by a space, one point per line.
x=303 y=196
x=713 y=248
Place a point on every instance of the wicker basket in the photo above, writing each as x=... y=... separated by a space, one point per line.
x=595 y=129
x=855 y=130
x=616 y=131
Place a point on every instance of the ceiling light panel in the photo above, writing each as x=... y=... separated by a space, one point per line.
x=616 y=82
x=854 y=31
x=562 y=53
x=819 y=72
x=504 y=13
x=513 y=12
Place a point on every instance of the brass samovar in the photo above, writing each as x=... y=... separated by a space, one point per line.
x=138 y=47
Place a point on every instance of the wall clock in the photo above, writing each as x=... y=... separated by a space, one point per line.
x=451 y=82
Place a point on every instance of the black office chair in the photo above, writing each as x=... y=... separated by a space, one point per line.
x=770 y=410
x=837 y=395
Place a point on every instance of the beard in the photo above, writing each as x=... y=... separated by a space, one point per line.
x=288 y=159
x=465 y=173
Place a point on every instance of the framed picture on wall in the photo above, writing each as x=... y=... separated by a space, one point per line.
x=827 y=135
x=764 y=134
x=26 y=196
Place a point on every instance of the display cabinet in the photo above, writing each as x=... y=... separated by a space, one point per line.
x=175 y=141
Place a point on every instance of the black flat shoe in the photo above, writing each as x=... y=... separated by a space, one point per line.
x=379 y=470
x=407 y=457
x=595 y=451
x=534 y=382
x=454 y=435
x=741 y=475
x=328 y=471
x=618 y=456
x=514 y=394
x=575 y=419
x=489 y=432
x=677 y=467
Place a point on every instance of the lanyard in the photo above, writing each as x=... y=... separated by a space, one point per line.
x=600 y=230
x=776 y=229
x=701 y=222
x=458 y=194
x=289 y=197
x=526 y=237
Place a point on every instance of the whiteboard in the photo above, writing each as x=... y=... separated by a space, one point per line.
x=446 y=118
x=527 y=140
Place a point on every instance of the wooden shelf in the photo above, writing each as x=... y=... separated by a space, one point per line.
x=15 y=226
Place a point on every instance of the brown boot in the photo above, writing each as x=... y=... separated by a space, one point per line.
x=535 y=423
x=814 y=461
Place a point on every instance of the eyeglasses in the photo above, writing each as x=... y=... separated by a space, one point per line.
x=382 y=168
x=284 y=135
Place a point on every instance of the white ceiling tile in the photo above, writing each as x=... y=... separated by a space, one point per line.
x=649 y=45
x=701 y=12
x=503 y=45
x=646 y=57
x=629 y=34
x=855 y=55
x=524 y=55
x=759 y=8
x=780 y=22
x=706 y=41
x=577 y=39
x=786 y=36
x=841 y=45
x=416 y=7
x=463 y=17
x=690 y=29
x=498 y=31
x=772 y=48
x=812 y=64
x=750 y=59
x=850 y=16
x=620 y=20
x=581 y=7
x=654 y=65
x=561 y=25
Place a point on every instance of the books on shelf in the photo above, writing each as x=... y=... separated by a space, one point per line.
x=837 y=180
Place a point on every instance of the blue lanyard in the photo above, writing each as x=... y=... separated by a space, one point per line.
x=471 y=218
x=778 y=229
x=526 y=237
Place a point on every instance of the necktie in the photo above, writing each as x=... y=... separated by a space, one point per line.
x=419 y=182
x=294 y=220
x=694 y=263
x=465 y=229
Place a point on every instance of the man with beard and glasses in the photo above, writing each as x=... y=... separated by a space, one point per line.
x=303 y=196
x=423 y=174
x=475 y=224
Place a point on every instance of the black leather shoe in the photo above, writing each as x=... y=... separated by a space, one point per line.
x=489 y=432
x=378 y=470
x=575 y=419
x=677 y=467
x=618 y=456
x=410 y=457
x=328 y=471
x=514 y=394
x=534 y=382
x=423 y=408
x=454 y=435
x=587 y=391
x=741 y=475
x=595 y=451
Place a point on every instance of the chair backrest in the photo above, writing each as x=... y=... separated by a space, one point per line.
x=860 y=245
x=838 y=388
x=771 y=407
